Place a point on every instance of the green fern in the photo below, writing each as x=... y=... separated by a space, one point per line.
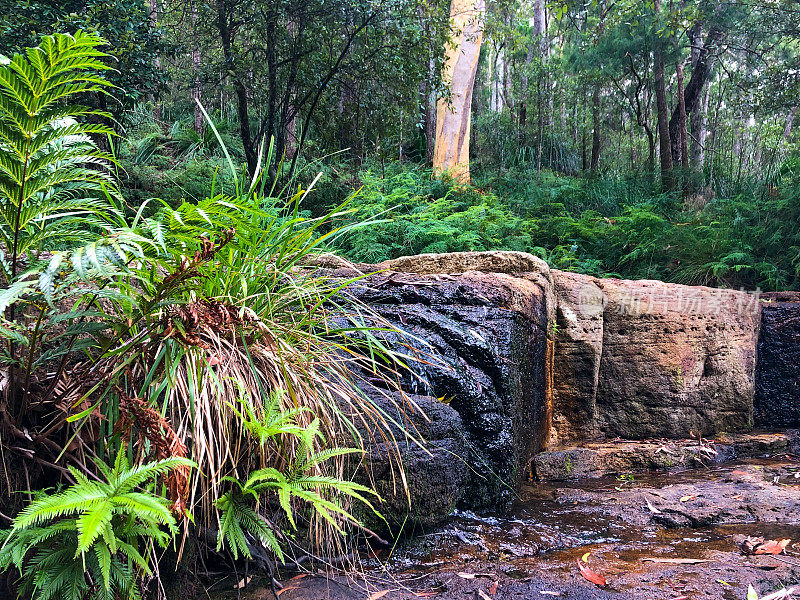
x=90 y=541
x=53 y=177
x=57 y=193
x=322 y=494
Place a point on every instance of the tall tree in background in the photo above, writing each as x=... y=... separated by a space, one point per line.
x=662 y=110
x=454 y=113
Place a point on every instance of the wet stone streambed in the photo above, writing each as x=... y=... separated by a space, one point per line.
x=655 y=536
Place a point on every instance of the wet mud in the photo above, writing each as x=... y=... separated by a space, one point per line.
x=642 y=533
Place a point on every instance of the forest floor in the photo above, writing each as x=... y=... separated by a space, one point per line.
x=658 y=536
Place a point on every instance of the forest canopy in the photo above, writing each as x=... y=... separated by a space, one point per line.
x=582 y=123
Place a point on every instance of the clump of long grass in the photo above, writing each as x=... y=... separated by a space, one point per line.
x=178 y=325
x=229 y=315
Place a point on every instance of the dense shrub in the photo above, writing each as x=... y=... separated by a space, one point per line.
x=605 y=227
x=419 y=214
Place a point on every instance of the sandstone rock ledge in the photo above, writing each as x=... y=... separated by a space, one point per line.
x=531 y=359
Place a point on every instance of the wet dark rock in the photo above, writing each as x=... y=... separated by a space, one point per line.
x=777 y=393
x=436 y=477
x=484 y=337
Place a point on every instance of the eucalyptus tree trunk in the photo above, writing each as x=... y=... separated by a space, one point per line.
x=697 y=118
x=682 y=134
x=701 y=71
x=453 y=114
x=787 y=131
x=664 y=146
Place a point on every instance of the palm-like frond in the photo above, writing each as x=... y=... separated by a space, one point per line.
x=51 y=169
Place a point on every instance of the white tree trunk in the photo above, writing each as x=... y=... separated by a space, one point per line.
x=453 y=114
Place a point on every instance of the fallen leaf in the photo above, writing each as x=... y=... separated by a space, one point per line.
x=483 y=595
x=296 y=577
x=590 y=575
x=493 y=589
x=585 y=557
x=380 y=594
x=737 y=472
x=687 y=498
x=738 y=497
x=772 y=547
x=465 y=575
x=286 y=589
x=425 y=594
x=214 y=360
x=723 y=582
x=242 y=583
x=681 y=598
x=676 y=561
x=751 y=593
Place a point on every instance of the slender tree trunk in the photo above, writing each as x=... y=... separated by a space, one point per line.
x=534 y=46
x=682 y=135
x=238 y=86
x=428 y=102
x=523 y=103
x=453 y=119
x=157 y=113
x=595 y=160
x=196 y=89
x=787 y=131
x=661 y=108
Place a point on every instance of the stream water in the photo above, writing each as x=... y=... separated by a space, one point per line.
x=662 y=536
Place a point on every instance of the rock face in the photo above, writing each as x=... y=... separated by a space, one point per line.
x=638 y=359
x=777 y=398
x=483 y=338
x=436 y=477
x=517 y=359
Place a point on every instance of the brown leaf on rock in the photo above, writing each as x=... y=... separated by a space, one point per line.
x=756 y=545
x=772 y=547
x=589 y=575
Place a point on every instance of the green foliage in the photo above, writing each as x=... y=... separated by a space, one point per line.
x=126 y=24
x=604 y=227
x=185 y=309
x=423 y=215
x=93 y=540
x=51 y=169
x=301 y=481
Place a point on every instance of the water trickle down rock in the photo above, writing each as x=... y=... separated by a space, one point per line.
x=486 y=333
